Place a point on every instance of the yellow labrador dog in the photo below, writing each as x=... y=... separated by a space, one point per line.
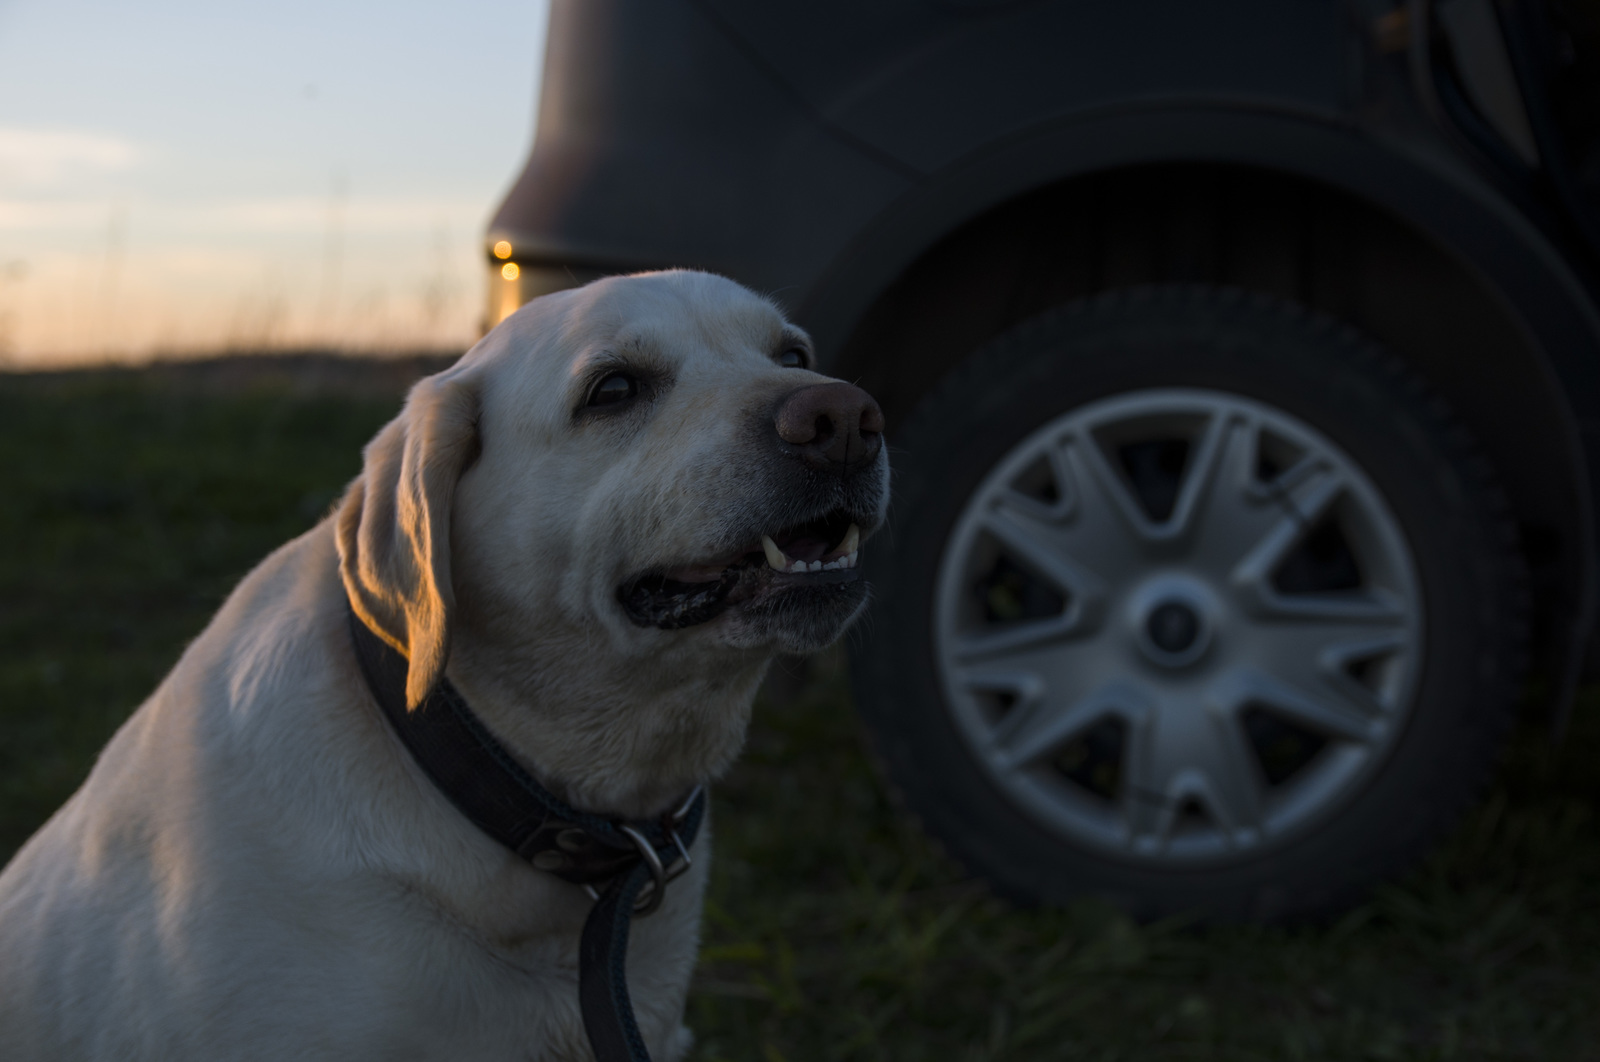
x=597 y=528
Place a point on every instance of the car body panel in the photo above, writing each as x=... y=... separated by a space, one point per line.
x=930 y=83
x=815 y=152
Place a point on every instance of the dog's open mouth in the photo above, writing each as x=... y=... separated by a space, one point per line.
x=820 y=551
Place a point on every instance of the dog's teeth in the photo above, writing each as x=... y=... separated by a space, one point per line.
x=851 y=559
x=851 y=540
x=775 y=556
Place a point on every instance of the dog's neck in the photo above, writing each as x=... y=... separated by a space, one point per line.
x=628 y=741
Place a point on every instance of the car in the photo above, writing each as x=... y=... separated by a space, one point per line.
x=1241 y=363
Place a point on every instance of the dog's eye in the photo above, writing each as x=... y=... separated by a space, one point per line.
x=792 y=358
x=618 y=387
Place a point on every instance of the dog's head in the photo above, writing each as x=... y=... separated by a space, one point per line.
x=649 y=463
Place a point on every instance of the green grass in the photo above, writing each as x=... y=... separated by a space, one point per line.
x=834 y=931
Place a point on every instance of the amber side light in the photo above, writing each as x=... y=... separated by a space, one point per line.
x=502 y=249
x=509 y=270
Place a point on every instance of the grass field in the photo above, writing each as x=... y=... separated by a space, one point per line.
x=132 y=502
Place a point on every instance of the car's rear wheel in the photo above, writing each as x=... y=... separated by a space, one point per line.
x=1194 y=600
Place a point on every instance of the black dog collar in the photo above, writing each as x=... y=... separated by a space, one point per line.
x=488 y=786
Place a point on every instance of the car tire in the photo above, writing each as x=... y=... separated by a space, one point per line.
x=1193 y=600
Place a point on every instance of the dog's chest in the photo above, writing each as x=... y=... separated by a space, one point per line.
x=507 y=975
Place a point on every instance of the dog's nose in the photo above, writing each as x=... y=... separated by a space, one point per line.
x=834 y=425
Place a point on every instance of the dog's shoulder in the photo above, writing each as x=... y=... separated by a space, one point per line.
x=177 y=826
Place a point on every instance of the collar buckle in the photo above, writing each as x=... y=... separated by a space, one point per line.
x=661 y=871
x=678 y=863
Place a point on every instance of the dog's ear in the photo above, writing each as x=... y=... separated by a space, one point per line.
x=393 y=526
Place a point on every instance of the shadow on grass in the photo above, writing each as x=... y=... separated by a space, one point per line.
x=834 y=930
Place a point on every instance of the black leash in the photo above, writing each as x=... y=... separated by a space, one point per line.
x=481 y=778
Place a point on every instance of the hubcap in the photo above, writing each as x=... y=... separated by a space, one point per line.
x=1173 y=627
x=1178 y=625
x=1172 y=618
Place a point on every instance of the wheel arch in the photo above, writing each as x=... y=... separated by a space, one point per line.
x=1408 y=247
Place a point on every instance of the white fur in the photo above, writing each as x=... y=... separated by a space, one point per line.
x=257 y=869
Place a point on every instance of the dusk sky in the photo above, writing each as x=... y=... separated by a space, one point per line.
x=178 y=177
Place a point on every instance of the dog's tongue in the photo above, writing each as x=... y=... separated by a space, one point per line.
x=802 y=546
